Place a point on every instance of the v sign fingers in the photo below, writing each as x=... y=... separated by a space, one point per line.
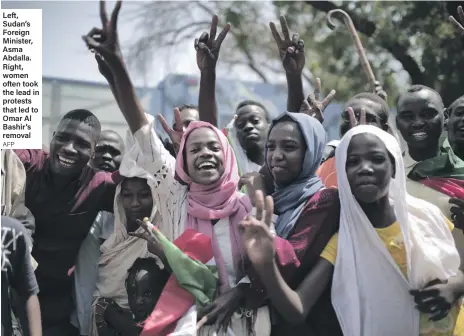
x=459 y=26
x=353 y=120
x=259 y=204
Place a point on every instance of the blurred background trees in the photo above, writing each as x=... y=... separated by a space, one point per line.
x=406 y=42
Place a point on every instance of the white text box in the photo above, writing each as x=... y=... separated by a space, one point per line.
x=21 y=89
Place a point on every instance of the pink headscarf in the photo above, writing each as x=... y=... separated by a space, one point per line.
x=216 y=201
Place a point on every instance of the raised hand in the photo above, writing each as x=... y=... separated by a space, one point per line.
x=312 y=106
x=174 y=134
x=152 y=244
x=258 y=239
x=353 y=121
x=207 y=46
x=105 y=41
x=291 y=51
x=459 y=26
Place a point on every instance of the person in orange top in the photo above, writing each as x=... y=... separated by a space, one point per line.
x=377 y=112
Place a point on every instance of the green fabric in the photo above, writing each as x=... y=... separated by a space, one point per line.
x=197 y=278
x=447 y=164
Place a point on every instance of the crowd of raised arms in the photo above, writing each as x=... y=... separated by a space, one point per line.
x=262 y=228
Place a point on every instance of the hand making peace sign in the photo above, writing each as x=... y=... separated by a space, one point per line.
x=105 y=40
x=291 y=51
x=174 y=134
x=312 y=106
x=207 y=46
x=458 y=26
x=257 y=237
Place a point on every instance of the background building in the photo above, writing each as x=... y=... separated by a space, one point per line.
x=63 y=95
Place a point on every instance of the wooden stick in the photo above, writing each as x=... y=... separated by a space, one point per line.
x=362 y=53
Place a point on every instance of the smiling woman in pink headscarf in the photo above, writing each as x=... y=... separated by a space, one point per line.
x=198 y=190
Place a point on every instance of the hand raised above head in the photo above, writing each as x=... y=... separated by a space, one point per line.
x=153 y=245
x=291 y=51
x=105 y=41
x=312 y=106
x=174 y=134
x=208 y=46
x=459 y=26
x=221 y=309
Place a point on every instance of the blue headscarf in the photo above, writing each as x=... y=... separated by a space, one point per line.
x=290 y=200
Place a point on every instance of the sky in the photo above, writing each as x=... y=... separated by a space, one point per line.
x=66 y=56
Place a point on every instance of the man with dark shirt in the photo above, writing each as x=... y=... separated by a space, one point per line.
x=18 y=274
x=64 y=194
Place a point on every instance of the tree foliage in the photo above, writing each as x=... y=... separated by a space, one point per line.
x=406 y=42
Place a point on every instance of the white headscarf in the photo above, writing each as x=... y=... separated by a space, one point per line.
x=120 y=250
x=369 y=293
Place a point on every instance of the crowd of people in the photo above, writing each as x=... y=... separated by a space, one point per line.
x=261 y=228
